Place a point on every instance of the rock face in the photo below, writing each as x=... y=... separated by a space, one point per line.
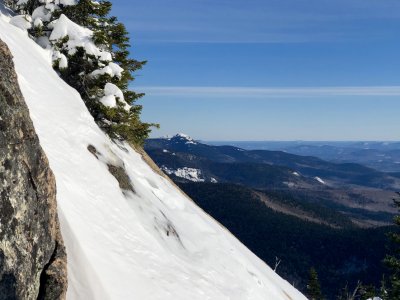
x=32 y=253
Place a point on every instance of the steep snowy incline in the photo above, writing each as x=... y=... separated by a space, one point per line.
x=145 y=241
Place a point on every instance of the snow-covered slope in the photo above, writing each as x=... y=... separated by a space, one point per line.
x=150 y=243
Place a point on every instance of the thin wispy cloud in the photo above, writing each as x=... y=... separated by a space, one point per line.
x=270 y=92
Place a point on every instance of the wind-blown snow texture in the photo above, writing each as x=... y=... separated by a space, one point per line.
x=153 y=243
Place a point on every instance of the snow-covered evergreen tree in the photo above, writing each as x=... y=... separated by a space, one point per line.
x=91 y=53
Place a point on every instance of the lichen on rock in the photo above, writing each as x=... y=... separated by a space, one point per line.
x=32 y=253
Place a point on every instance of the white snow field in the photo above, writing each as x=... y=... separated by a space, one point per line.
x=153 y=243
x=191 y=174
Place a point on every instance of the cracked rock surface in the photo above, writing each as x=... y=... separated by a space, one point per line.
x=32 y=254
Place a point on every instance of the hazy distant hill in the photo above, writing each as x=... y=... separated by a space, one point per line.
x=383 y=156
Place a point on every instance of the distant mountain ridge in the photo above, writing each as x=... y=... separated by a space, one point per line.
x=382 y=156
x=362 y=193
x=183 y=151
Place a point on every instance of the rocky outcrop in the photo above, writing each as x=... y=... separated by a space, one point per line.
x=32 y=253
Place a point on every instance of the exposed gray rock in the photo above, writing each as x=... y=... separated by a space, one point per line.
x=32 y=253
x=122 y=177
x=118 y=172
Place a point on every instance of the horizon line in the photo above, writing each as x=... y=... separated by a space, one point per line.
x=269 y=92
x=300 y=141
x=287 y=141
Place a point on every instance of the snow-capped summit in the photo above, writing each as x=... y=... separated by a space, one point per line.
x=138 y=237
x=182 y=137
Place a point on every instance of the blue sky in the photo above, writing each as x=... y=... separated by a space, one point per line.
x=268 y=69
